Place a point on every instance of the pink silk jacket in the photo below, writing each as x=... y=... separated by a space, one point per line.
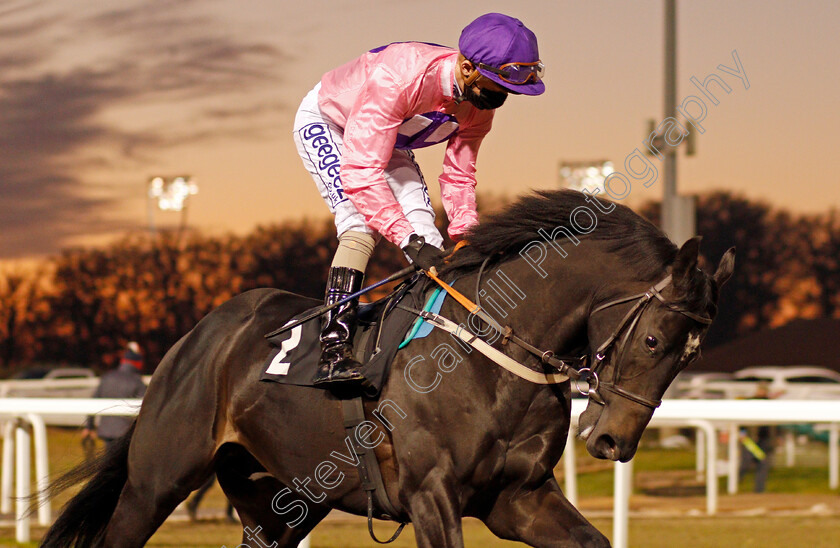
x=380 y=99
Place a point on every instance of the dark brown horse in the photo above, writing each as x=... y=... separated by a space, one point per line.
x=456 y=435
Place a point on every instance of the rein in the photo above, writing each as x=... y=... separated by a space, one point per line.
x=565 y=367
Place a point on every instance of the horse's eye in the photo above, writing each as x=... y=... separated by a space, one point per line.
x=651 y=342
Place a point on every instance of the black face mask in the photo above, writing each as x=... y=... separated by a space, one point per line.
x=486 y=100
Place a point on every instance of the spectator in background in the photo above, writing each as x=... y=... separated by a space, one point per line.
x=758 y=443
x=124 y=382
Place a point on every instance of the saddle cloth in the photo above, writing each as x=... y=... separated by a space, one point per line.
x=381 y=329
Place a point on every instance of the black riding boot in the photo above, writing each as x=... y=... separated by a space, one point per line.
x=337 y=329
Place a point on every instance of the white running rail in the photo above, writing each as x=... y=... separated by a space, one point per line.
x=708 y=416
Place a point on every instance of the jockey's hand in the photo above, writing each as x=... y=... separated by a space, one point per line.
x=422 y=254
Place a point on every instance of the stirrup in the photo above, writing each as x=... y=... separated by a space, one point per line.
x=338 y=371
x=357 y=378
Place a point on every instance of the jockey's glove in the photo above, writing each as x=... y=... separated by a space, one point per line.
x=423 y=255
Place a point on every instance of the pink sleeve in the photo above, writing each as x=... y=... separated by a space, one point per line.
x=457 y=182
x=369 y=137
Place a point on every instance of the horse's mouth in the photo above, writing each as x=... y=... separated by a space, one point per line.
x=584 y=434
x=588 y=420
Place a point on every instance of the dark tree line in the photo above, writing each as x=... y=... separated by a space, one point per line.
x=786 y=266
x=82 y=306
x=85 y=304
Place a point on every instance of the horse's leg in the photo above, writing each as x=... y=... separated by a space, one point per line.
x=267 y=519
x=436 y=518
x=172 y=453
x=160 y=477
x=254 y=501
x=542 y=517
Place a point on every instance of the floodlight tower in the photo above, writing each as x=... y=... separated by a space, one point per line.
x=170 y=194
x=588 y=174
x=678 y=212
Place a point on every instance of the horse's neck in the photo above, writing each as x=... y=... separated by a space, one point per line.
x=548 y=311
x=547 y=304
x=548 y=308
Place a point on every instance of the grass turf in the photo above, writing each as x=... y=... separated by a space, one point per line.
x=595 y=479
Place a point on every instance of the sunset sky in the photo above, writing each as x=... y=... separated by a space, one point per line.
x=97 y=96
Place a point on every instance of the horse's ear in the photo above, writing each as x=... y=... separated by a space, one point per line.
x=725 y=267
x=686 y=260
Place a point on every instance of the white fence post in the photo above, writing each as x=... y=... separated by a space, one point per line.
x=711 y=471
x=790 y=448
x=8 y=467
x=734 y=460
x=42 y=467
x=833 y=455
x=570 y=467
x=622 y=487
x=700 y=453
x=710 y=435
x=17 y=411
x=22 y=441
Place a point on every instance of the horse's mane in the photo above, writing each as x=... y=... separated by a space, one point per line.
x=641 y=244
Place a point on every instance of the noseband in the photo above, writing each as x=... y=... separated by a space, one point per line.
x=628 y=326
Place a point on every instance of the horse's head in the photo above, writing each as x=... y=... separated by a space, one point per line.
x=640 y=342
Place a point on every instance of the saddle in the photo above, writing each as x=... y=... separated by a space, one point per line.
x=382 y=327
x=381 y=330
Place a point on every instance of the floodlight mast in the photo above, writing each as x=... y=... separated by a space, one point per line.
x=587 y=174
x=679 y=218
x=170 y=194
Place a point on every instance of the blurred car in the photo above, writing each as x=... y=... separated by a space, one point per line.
x=70 y=373
x=46 y=382
x=698 y=385
x=790 y=382
x=53 y=373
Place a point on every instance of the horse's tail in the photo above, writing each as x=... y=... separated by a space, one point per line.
x=84 y=518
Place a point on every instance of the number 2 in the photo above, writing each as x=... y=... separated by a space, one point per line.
x=278 y=366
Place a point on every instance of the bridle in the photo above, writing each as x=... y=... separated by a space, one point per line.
x=575 y=367
x=628 y=326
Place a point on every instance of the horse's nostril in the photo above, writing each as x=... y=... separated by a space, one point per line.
x=607 y=447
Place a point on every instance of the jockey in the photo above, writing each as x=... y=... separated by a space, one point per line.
x=355 y=132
